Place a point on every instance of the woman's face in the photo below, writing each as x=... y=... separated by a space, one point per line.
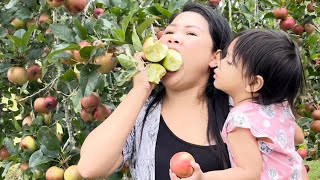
x=189 y=34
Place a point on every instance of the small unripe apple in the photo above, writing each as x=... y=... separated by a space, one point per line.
x=54 y=173
x=31 y=22
x=180 y=164
x=34 y=72
x=98 y=12
x=17 y=23
x=4 y=154
x=44 y=18
x=27 y=121
x=24 y=166
x=106 y=62
x=72 y=173
x=97 y=43
x=280 y=13
x=309 y=28
x=303 y=153
x=17 y=75
x=310 y=7
x=28 y=144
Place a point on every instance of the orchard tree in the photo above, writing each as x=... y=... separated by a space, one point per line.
x=65 y=65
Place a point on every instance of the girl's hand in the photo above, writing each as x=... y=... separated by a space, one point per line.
x=140 y=80
x=196 y=175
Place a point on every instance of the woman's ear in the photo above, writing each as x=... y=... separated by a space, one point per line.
x=255 y=84
x=215 y=58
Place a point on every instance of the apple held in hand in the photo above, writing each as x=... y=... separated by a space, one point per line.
x=180 y=164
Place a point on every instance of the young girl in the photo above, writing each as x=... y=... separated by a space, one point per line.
x=263 y=74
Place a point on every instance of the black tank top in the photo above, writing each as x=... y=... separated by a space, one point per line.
x=168 y=144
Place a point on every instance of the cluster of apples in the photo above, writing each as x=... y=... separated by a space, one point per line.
x=289 y=23
x=57 y=173
x=315 y=125
x=93 y=109
x=161 y=59
x=20 y=75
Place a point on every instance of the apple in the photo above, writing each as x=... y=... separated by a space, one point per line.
x=39 y=105
x=106 y=62
x=173 y=60
x=214 y=3
x=287 y=24
x=76 y=53
x=154 y=50
x=315 y=126
x=17 y=75
x=28 y=144
x=47 y=119
x=309 y=28
x=298 y=29
x=98 y=12
x=54 y=173
x=44 y=18
x=316 y=114
x=34 y=72
x=27 y=121
x=72 y=173
x=17 y=23
x=97 y=43
x=4 y=154
x=102 y=112
x=50 y=103
x=86 y=116
x=280 y=13
x=155 y=72
x=303 y=153
x=180 y=164
x=75 y=6
x=91 y=102
x=55 y=3
x=24 y=166
x=310 y=7
x=31 y=22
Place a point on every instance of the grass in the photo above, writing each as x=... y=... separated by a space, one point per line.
x=314 y=172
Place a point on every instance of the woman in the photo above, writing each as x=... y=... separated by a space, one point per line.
x=185 y=114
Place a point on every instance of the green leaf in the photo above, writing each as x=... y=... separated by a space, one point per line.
x=81 y=31
x=63 y=49
x=48 y=139
x=135 y=40
x=19 y=33
x=145 y=24
x=125 y=61
x=126 y=76
x=8 y=143
x=88 y=80
x=27 y=35
x=38 y=158
x=76 y=99
x=68 y=76
x=62 y=32
x=119 y=35
x=87 y=52
x=49 y=153
x=163 y=11
x=11 y=4
x=304 y=121
x=126 y=20
x=16 y=41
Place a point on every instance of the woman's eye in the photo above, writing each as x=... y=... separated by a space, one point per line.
x=168 y=32
x=192 y=34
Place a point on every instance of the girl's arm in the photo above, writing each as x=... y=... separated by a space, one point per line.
x=298 y=135
x=244 y=148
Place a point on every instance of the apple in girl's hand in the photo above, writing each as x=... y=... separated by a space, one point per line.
x=180 y=164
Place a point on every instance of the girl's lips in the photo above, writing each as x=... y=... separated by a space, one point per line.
x=215 y=76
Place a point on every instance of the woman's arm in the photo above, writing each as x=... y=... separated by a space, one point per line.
x=245 y=151
x=101 y=151
x=298 y=135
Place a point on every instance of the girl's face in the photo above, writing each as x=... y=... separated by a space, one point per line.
x=189 y=35
x=230 y=77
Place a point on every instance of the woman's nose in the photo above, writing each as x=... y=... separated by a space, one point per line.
x=174 y=39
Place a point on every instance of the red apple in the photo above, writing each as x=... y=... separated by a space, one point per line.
x=303 y=153
x=298 y=29
x=34 y=72
x=180 y=164
x=214 y=3
x=91 y=102
x=315 y=126
x=24 y=166
x=98 y=12
x=50 y=103
x=44 y=18
x=102 y=112
x=86 y=116
x=287 y=24
x=4 y=154
x=17 y=75
x=75 y=6
x=280 y=13
x=39 y=106
x=27 y=121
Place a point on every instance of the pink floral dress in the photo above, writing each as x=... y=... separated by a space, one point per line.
x=277 y=123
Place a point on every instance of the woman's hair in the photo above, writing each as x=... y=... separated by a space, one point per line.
x=274 y=56
x=217 y=101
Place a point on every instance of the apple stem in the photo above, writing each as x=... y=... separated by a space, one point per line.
x=41 y=90
x=69 y=125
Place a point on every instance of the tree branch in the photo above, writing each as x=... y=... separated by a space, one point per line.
x=69 y=125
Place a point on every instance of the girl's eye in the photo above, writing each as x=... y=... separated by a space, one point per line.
x=192 y=34
x=168 y=32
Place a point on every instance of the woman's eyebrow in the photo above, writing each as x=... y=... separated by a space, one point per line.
x=187 y=26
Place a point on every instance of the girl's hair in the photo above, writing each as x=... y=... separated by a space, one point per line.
x=217 y=101
x=274 y=56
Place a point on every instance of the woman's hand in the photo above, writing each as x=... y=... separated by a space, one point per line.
x=140 y=80
x=196 y=175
